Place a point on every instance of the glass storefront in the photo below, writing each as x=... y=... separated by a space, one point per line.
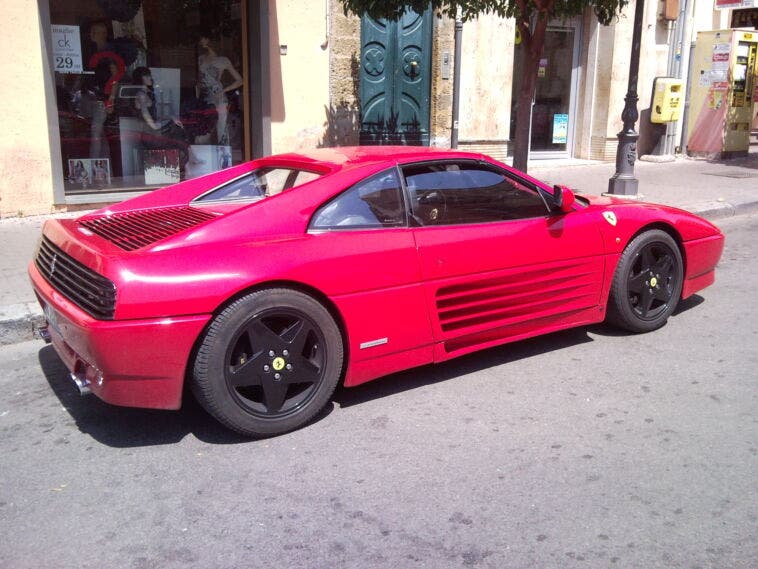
x=149 y=92
x=553 y=107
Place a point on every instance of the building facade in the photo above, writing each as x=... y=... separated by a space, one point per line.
x=108 y=98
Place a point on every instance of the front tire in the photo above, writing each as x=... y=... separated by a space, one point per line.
x=268 y=363
x=647 y=283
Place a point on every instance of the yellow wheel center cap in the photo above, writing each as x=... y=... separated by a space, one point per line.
x=653 y=281
x=278 y=364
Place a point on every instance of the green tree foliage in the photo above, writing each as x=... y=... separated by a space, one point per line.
x=531 y=17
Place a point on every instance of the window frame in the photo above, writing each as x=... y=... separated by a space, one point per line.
x=545 y=196
x=404 y=206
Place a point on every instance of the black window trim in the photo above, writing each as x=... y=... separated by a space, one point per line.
x=547 y=197
x=344 y=228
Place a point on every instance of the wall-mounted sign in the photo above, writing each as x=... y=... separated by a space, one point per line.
x=560 y=129
x=67 y=49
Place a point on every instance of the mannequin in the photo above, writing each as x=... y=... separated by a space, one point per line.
x=107 y=68
x=211 y=68
x=145 y=102
x=155 y=133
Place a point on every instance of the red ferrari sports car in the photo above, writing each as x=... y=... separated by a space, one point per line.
x=265 y=285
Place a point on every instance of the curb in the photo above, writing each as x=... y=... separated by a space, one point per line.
x=18 y=322
x=721 y=210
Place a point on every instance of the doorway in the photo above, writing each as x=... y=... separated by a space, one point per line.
x=554 y=105
x=395 y=79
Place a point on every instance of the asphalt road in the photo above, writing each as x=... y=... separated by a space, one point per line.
x=586 y=448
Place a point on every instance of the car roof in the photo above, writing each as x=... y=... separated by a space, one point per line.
x=352 y=156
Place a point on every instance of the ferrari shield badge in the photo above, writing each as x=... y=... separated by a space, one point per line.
x=610 y=217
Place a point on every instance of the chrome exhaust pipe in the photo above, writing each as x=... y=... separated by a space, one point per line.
x=82 y=384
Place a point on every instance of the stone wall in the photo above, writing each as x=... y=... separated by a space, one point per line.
x=342 y=115
x=440 y=118
x=486 y=78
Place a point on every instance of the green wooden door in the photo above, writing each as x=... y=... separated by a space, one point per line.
x=395 y=79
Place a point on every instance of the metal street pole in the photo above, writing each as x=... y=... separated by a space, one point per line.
x=456 y=79
x=623 y=181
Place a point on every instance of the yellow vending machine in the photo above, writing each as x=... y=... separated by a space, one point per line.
x=721 y=93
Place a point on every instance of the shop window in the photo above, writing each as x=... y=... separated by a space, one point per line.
x=149 y=92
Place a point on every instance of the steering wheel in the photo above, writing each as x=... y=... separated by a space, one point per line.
x=431 y=208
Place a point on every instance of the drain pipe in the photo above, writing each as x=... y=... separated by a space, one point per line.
x=686 y=111
x=676 y=70
x=456 y=78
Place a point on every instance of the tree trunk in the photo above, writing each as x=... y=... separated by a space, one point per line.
x=521 y=140
x=534 y=43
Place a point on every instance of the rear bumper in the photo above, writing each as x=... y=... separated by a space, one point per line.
x=702 y=257
x=133 y=363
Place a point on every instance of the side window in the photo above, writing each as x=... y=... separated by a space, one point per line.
x=259 y=184
x=459 y=193
x=372 y=203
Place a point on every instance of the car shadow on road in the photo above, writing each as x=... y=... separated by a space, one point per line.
x=124 y=427
x=603 y=329
x=471 y=363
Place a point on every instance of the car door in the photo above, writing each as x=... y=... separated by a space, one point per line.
x=497 y=260
x=368 y=265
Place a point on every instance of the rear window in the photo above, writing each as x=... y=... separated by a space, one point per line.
x=259 y=184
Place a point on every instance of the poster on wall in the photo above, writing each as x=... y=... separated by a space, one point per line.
x=87 y=173
x=560 y=129
x=80 y=173
x=101 y=172
x=161 y=166
x=208 y=158
x=67 y=49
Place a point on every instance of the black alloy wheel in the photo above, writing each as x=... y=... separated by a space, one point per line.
x=269 y=362
x=647 y=283
x=276 y=362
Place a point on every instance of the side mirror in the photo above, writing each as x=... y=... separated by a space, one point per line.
x=563 y=197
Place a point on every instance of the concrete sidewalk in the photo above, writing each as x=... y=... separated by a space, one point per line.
x=711 y=189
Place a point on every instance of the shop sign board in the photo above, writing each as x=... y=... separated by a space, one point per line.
x=728 y=4
x=67 y=49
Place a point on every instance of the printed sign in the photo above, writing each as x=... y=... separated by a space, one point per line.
x=560 y=129
x=724 y=4
x=161 y=166
x=542 y=69
x=67 y=49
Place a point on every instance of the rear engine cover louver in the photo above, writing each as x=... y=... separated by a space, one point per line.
x=135 y=229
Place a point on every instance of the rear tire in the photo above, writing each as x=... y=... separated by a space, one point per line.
x=268 y=363
x=647 y=283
